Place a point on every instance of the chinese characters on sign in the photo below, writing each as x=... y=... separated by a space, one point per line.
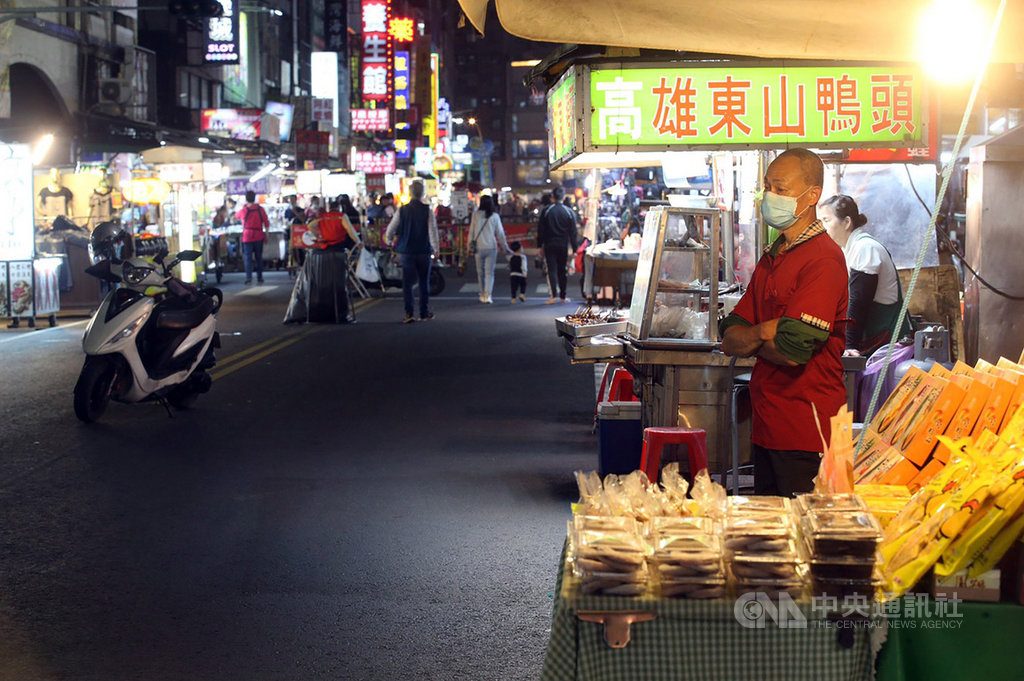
x=403 y=149
x=376 y=61
x=562 y=117
x=750 y=106
x=322 y=109
x=374 y=163
x=371 y=120
x=312 y=145
x=336 y=26
x=402 y=29
x=17 y=234
x=222 y=36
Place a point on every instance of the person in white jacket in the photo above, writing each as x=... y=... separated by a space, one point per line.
x=486 y=234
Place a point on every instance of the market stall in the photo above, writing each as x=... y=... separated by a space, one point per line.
x=914 y=551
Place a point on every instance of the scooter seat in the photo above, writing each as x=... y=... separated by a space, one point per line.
x=185 y=317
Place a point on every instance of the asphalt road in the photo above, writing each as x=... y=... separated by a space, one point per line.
x=375 y=501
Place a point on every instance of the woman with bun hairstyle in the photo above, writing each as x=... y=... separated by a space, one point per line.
x=876 y=295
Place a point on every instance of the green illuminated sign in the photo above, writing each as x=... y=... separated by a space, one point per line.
x=776 y=106
x=562 y=117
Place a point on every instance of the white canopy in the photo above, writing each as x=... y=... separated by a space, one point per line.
x=855 y=30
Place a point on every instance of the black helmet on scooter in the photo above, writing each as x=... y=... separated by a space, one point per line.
x=112 y=241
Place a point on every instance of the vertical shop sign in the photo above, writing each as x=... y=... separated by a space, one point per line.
x=5 y=302
x=323 y=109
x=402 y=29
x=21 y=289
x=835 y=105
x=336 y=28
x=562 y=117
x=222 y=43
x=17 y=233
x=402 y=90
x=376 y=52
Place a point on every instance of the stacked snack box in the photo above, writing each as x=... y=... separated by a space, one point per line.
x=840 y=540
x=609 y=556
x=687 y=558
x=760 y=547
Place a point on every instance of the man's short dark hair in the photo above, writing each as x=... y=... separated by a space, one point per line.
x=250 y=196
x=558 y=193
x=811 y=166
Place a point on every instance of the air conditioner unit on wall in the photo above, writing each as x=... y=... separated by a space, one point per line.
x=115 y=91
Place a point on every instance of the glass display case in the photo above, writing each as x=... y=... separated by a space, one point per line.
x=678 y=279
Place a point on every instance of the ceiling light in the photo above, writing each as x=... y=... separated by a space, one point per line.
x=525 y=63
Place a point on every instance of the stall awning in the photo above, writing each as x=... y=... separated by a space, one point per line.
x=855 y=30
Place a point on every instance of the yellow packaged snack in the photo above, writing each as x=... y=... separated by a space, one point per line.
x=885 y=491
x=994 y=552
x=926 y=543
x=1007 y=496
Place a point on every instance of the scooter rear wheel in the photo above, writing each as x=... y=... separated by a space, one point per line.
x=92 y=392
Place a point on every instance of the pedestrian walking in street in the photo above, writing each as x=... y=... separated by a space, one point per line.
x=351 y=212
x=556 y=233
x=486 y=235
x=413 y=230
x=518 y=266
x=254 y=231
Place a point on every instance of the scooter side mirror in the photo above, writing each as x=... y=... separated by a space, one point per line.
x=159 y=257
x=188 y=256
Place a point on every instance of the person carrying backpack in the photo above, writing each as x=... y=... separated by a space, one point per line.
x=254 y=232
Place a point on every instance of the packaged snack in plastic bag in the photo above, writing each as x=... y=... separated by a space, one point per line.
x=818 y=503
x=709 y=495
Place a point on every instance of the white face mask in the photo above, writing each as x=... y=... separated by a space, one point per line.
x=780 y=211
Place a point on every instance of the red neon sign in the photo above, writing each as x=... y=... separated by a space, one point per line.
x=375 y=76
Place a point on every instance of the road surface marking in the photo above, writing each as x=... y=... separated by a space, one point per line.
x=543 y=289
x=29 y=333
x=250 y=356
x=257 y=291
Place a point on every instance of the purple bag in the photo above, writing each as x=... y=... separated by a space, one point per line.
x=868 y=379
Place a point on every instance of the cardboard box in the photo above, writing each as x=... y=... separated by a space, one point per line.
x=967 y=413
x=932 y=468
x=1016 y=399
x=995 y=408
x=935 y=422
x=900 y=474
x=872 y=452
x=898 y=402
x=888 y=459
x=985 y=587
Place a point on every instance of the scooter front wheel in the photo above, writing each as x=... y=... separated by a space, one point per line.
x=92 y=392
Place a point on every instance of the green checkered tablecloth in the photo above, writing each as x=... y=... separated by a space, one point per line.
x=698 y=640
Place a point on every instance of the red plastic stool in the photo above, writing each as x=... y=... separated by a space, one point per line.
x=621 y=389
x=655 y=440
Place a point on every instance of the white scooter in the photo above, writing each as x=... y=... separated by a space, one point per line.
x=152 y=337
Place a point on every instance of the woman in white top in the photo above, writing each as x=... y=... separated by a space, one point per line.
x=486 y=234
x=875 y=292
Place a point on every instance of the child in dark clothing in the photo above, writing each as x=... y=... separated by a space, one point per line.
x=518 y=267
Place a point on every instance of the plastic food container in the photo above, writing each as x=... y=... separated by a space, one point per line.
x=687 y=542
x=758 y=504
x=785 y=566
x=615 y=583
x=821 y=503
x=697 y=589
x=687 y=564
x=842 y=534
x=850 y=568
x=696 y=525
x=841 y=589
x=758 y=538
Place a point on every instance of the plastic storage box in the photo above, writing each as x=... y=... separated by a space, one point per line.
x=620 y=437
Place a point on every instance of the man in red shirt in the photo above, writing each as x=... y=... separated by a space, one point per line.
x=791 y=318
x=254 y=231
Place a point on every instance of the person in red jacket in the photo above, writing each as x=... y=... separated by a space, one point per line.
x=254 y=232
x=792 y=318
